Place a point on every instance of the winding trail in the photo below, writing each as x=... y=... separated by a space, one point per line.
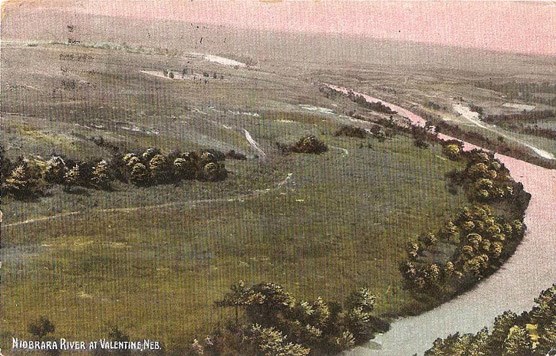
x=345 y=152
x=514 y=286
x=254 y=144
x=189 y=203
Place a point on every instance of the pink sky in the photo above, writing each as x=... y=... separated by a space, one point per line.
x=524 y=27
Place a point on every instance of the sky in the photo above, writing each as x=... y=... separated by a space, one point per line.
x=509 y=26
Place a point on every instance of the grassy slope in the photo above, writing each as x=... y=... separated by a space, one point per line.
x=337 y=225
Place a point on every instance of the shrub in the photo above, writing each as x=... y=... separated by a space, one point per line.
x=55 y=170
x=72 y=178
x=25 y=182
x=531 y=333
x=41 y=327
x=351 y=131
x=101 y=175
x=452 y=151
x=309 y=144
x=140 y=175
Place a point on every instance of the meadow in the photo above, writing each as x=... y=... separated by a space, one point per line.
x=153 y=260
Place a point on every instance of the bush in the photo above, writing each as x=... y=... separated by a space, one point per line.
x=56 y=169
x=140 y=175
x=101 y=175
x=25 y=181
x=452 y=149
x=41 y=327
x=309 y=144
x=351 y=131
x=531 y=333
x=276 y=323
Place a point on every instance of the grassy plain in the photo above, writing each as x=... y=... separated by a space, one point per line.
x=154 y=260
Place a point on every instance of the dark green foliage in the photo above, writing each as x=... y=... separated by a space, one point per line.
x=24 y=181
x=114 y=334
x=452 y=149
x=478 y=240
x=351 y=131
x=41 y=327
x=308 y=144
x=273 y=322
x=531 y=333
x=235 y=155
x=56 y=169
x=375 y=106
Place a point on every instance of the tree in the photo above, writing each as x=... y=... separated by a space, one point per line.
x=184 y=169
x=139 y=175
x=24 y=182
x=160 y=169
x=271 y=342
x=239 y=296
x=149 y=154
x=55 y=170
x=213 y=171
x=269 y=299
x=452 y=151
x=359 y=323
x=41 y=327
x=71 y=178
x=101 y=175
x=518 y=342
x=361 y=298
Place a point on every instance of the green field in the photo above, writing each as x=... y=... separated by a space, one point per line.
x=336 y=225
x=154 y=260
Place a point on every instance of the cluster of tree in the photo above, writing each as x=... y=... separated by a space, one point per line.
x=525 y=116
x=536 y=131
x=525 y=123
x=486 y=180
x=374 y=106
x=351 y=131
x=270 y=321
x=524 y=91
x=329 y=92
x=461 y=253
x=498 y=145
x=28 y=178
x=306 y=144
x=531 y=333
x=152 y=167
x=477 y=241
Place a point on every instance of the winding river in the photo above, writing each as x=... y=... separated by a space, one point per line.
x=514 y=286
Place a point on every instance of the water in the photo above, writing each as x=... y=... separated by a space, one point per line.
x=530 y=270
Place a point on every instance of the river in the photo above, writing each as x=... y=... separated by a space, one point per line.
x=531 y=269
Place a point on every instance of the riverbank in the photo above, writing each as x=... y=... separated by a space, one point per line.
x=512 y=287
